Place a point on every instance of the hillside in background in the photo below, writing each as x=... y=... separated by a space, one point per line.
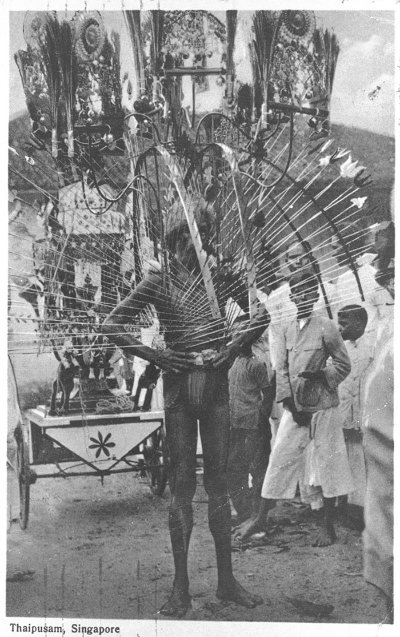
x=375 y=152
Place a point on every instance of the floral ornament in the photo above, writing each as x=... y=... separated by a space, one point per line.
x=359 y=201
x=102 y=445
x=90 y=36
x=297 y=25
x=350 y=168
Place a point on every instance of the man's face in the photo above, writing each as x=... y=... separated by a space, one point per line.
x=296 y=257
x=350 y=327
x=185 y=252
x=304 y=298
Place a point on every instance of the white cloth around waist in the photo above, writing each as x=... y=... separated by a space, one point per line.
x=317 y=461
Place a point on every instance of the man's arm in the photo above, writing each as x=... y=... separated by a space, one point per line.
x=340 y=366
x=256 y=328
x=260 y=375
x=147 y=291
x=124 y=312
x=283 y=387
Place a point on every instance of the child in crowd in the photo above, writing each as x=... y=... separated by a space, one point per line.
x=352 y=321
x=309 y=449
x=250 y=398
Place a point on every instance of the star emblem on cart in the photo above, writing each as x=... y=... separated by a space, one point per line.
x=102 y=444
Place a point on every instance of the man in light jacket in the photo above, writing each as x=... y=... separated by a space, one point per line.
x=309 y=449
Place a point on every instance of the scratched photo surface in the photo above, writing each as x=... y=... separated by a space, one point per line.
x=200 y=315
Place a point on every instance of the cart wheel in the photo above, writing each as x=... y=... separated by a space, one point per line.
x=24 y=477
x=155 y=461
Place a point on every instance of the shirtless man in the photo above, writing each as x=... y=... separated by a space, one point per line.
x=195 y=366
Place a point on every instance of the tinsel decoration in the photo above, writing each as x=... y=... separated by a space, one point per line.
x=254 y=83
x=231 y=24
x=69 y=79
x=265 y=24
x=132 y=19
x=51 y=70
x=90 y=36
x=327 y=49
x=156 y=24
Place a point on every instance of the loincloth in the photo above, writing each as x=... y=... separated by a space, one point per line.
x=198 y=387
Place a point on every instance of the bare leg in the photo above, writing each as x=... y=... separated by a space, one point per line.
x=181 y=441
x=326 y=535
x=257 y=522
x=214 y=429
x=261 y=452
x=238 y=472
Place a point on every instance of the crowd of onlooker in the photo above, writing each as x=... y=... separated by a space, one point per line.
x=312 y=402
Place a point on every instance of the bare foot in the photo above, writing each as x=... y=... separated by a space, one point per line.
x=326 y=536
x=247 y=528
x=232 y=591
x=177 y=604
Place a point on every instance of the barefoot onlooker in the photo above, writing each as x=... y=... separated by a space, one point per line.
x=309 y=449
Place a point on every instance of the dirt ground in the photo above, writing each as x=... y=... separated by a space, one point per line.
x=93 y=551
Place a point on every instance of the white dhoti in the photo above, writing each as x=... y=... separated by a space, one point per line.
x=315 y=458
x=355 y=454
x=274 y=420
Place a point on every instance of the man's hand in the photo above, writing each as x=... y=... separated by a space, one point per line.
x=288 y=403
x=226 y=357
x=300 y=417
x=319 y=375
x=171 y=361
